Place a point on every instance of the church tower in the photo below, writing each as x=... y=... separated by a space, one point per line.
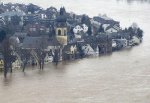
x=61 y=27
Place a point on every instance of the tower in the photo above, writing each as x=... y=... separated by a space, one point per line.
x=61 y=27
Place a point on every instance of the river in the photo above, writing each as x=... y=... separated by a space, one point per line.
x=122 y=77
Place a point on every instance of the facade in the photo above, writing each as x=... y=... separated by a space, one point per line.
x=61 y=27
x=69 y=52
x=1 y=64
x=80 y=28
x=88 y=50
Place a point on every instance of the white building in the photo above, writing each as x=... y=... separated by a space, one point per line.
x=135 y=40
x=88 y=50
x=79 y=28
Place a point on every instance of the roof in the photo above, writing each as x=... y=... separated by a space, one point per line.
x=39 y=42
x=53 y=42
x=34 y=43
x=12 y=13
x=102 y=38
x=20 y=34
x=103 y=21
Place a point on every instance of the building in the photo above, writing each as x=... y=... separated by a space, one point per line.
x=1 y=62
x=69 y=52
x=61 y=27
x=102 y=41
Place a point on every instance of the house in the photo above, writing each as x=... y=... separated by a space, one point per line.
x=135 y=40
x=34 y=43
x=69 y=52
x=37 y=29
x=49 y=47
x=102 y=41
x=1 y=62
x=48 y=59
x=111 y=28
x=80 y=28
x=14 y=41
x=88 y=50
x=31 y=18
x=35 y=46
x=77 y=29
x=16 y=64
x=2 y=23
x=10 y=16
x=105 y=21
x=118 y=44
x=109 y=25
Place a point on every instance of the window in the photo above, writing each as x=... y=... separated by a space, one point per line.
x=65 y=32
x=59 y=32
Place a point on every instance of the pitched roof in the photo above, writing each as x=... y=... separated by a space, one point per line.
x=39 y=42
x=34 y=43
x=53 y=42
x=12 y=13
x=103 y=21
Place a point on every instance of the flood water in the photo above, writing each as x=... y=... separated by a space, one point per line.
x=123 y=77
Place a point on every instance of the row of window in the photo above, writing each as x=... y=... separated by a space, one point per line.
x=60 y=32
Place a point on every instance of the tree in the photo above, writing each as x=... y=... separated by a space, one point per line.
x=7 y=52
x=2 y=35
x=81 y=51
x=32 y=8
x=131 y=32
x=101 y=29
x=86 y=20
x=139 y=33
x=16 y=20
x=8 y=58
x=56 y=56
x=89 y=31
x=51 y=12
x=25 y=56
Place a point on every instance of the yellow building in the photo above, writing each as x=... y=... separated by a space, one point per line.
x=61 y=27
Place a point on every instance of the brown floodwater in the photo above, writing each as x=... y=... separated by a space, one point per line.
x=122 y=77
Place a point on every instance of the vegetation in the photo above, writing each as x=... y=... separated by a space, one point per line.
x=133 y=32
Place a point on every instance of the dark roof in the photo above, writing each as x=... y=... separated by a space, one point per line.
x=39 y=42
x=20 y=34
x=102 y=38
x=61 y=24
x=34 y=43
x=67 y=47
x=53 y=42
x=103 y=21
x=62 y=16
x=1 y=56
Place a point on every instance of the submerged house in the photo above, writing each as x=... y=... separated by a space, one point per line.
x=88 y=50
x=1 y=62
x=102 y=41
x=69 y=52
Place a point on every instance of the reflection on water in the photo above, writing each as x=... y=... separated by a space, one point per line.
x=122 y=77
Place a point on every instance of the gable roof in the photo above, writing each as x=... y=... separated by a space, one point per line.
x=34 y=43
x=39 y=42
x=103 y=21
x=12 y=13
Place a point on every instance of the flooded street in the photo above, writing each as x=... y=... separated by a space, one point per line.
x=122 y=77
